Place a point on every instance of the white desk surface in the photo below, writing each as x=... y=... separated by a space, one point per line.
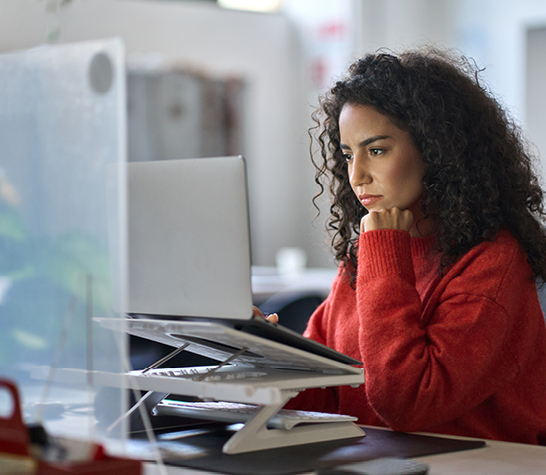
x=266 y=281
x=496 y=458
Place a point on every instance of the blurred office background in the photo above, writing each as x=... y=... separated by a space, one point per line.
x=205 y=79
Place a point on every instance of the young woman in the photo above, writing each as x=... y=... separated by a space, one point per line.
x=436 y=216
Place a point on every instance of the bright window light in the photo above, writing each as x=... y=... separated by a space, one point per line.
x=252 y=5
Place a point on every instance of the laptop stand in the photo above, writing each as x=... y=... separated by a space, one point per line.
x=255 y=435
x=252 y=370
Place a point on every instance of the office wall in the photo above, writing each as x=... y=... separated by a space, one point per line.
x=535 y=104
x=263 y=49
x=399 y=24
x=494 y=33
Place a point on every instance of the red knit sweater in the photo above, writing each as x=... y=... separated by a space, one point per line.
x=462 y=354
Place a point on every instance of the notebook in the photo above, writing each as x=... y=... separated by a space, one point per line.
x=189 y=249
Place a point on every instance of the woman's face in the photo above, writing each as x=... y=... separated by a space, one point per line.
x=385 y=168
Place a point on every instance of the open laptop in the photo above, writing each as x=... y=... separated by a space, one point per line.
x=189 y=248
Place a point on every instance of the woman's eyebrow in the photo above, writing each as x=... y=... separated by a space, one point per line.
x=368 y=141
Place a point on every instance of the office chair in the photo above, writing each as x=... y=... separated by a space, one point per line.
x=541 y=290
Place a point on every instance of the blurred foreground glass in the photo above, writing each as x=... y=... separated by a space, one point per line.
x=62 y=150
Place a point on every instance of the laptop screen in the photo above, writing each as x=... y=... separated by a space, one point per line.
x=189 y=238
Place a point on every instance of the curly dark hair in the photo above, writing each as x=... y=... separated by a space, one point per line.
x=479 y=175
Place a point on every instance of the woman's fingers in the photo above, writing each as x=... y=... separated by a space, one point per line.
x=393 y=218
x=272 y=317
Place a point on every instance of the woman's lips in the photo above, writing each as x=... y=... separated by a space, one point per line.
x=367 y=200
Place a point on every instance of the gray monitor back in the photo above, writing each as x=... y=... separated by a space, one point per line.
x=189 y=239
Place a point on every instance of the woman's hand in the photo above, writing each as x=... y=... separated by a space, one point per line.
x=392 y=218
x=272 y=317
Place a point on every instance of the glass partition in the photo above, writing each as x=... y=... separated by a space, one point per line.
x=62 y=252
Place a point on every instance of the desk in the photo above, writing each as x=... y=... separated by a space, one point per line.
x=266 y=282
x=496 y=458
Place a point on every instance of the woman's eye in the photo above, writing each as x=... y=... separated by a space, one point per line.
x=347 y=156
x=376 y=151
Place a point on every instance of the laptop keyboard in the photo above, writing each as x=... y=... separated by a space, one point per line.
x=236 y=412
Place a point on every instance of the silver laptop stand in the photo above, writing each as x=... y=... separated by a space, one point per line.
x=260 y=372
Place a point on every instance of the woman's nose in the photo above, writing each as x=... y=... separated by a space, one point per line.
x=358 y=173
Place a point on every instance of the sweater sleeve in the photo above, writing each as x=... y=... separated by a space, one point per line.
x=421 y=374
x=316 y=399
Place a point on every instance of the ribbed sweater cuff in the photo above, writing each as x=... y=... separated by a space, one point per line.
x=383 y=252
